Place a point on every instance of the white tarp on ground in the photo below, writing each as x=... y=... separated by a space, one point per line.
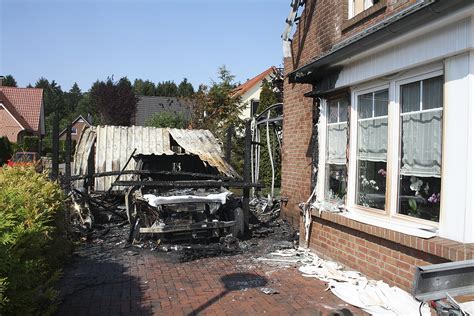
x=374 y=297
x=155 y=200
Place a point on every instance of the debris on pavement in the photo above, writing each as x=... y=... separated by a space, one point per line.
x=269 y=291
x=374 y=297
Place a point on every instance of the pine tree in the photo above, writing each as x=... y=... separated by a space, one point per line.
x=185 y=89
x=9 y=81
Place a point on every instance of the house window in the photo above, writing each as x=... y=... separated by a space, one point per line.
x=421 y=116
x=336 y=144
x=73 y=131
x=396 y=139
x=254 y=104
x=357 y=6
x=372 y=135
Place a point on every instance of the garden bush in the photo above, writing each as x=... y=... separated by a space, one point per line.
x=29 y=143
x=32 y=241
x=5 y=150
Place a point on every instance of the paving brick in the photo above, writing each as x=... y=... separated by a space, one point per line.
x=126 y=287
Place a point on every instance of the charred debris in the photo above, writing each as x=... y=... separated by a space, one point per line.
x=169 y=190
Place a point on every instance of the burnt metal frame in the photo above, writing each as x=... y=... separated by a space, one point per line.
x=186 y=228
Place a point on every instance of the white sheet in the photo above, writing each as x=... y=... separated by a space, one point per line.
x=154 y=200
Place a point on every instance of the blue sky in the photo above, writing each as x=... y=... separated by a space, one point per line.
x=85 y=40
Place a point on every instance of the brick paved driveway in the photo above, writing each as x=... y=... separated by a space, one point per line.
x=108 y=279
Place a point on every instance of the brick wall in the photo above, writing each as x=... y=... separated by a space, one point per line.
x=8 y=126
x=381 y=253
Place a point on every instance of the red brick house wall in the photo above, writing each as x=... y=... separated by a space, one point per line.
x=79 y=128
x=10 y=127
x=379 y=253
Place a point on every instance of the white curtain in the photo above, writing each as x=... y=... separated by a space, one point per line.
x=337 y=144
x=372 y=142
x=421 y=144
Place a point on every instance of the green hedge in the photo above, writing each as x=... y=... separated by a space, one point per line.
x=32 y=241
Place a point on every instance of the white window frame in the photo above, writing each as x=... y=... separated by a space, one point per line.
x=351 y=13
x=393 y=85
x=397 y=130
x=322 y=139
x=352 y=170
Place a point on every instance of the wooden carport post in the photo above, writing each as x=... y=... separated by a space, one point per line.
x=247 y=175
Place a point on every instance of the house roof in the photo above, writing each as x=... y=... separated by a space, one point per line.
x=147 y=106
x=74 y=122
x=254 y=81
x=13 y=112
x=27 y=103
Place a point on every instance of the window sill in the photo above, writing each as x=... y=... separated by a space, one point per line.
x=441 y=247
x=364 y=15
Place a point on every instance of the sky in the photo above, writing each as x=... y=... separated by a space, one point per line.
x=85 y=40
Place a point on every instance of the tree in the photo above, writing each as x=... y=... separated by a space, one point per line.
x=73 y=97
x=185 y=89
x=167 y=119
x=115 y=101
x=138 y=86
x=144 y=87
x=9 y=81
x=218 y=108
x=148 y=88
x=53 y=98
x=166 y=89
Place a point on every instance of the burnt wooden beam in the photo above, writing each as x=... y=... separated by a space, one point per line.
x=68 y=152
x=55 y=148
x=123 y=169
x=188 y=184
x=247 y=176
x=148 y=172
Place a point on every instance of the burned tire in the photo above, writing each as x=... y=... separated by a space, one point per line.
x=238 y=230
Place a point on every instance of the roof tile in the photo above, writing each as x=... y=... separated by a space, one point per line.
x=27 y=102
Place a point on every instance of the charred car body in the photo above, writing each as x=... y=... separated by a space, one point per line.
x=192 y=211
x=176 y=185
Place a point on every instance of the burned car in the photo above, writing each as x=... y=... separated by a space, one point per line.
x=176 y=182
x=179 y=197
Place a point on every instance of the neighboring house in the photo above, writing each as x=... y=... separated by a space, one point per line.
x=148 y=106
x=249 y=92
x=378 y=117
x=77 y=125
x=21 y=113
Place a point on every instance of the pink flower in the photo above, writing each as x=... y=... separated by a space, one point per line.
x=434 y=198
x=382 y=172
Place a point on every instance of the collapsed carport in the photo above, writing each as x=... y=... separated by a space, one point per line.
x=163 y=174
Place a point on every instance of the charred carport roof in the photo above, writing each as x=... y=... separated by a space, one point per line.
x=115 y=144
x=384 y=31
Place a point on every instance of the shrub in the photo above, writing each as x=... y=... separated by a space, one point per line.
x=29 y=143
x=5 y=153
x=32 y=248
x=167 y=119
